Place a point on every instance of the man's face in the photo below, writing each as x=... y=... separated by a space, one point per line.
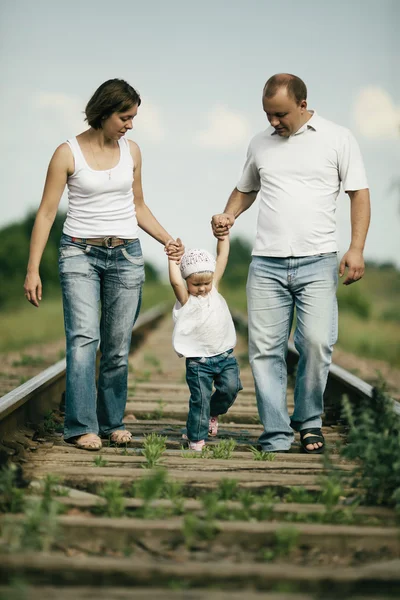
x=284 y=114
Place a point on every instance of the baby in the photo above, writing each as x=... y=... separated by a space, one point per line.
x=205 y=335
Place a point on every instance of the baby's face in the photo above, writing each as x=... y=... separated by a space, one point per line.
x=198 y=285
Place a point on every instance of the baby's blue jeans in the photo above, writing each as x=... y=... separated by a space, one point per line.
x=201 y=373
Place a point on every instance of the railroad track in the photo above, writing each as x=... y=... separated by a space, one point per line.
x=234 y=523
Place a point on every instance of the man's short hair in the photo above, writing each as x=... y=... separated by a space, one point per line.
x=296 y=88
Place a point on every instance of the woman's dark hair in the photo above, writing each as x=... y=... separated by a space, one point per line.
x=114 y=95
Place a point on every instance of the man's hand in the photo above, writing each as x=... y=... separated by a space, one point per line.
x=174 y=249
x=221 y=224
x=353 y=260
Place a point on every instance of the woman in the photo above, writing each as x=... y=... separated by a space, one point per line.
x=100 y=260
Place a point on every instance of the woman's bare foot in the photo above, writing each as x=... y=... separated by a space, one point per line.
x=88 y=441
x=120 y=436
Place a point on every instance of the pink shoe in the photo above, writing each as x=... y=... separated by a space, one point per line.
x=213 y=426
x=196 y=446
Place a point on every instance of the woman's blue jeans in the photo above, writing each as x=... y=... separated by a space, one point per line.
x=101 y=289
x=276 y=286
x=201 y=373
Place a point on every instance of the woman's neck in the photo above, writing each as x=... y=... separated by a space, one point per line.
x=98 y=138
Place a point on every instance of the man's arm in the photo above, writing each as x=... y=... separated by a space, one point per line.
x=360 y=213
x=238 y=203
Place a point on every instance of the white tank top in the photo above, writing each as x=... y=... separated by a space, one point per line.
x=100 y=203
x=203 y=326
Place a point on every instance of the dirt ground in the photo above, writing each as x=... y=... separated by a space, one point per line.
x=18 y=367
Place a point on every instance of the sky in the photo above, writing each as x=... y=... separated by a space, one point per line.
x=200 y=68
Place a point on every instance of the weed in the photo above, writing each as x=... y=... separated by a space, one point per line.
x=150 y=487
x=39 y=529
x=114 y=497
x=195 y=530
x=143 y=376
x=211 y=505
x=298 y=494
x=173 y=492
x=285 y=541
x=50 y=424
x=227 y=489
x=247 y=499
x=152 y=360
x=51 y=488
x=154 y=446
x=269 y=496
x=158 y=413
x=28 y=360
x=16 y=590
x=262 y=454
x=374 y=443
x=223 y=449
x=12 y=498
x=331 y=489
x=99 y=461
x=205 y=452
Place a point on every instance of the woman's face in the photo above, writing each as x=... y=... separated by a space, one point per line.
x=116 y=126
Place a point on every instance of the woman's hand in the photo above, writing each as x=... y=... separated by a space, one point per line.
x=33 y=288
x=174 y=249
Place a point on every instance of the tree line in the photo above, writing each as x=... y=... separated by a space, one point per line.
x=14 y=252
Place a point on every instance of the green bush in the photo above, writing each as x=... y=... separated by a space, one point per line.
x=352 y=300
x=238 y=263
x=374 y=443
x=391 y=314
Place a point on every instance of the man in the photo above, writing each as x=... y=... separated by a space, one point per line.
x=296 y=165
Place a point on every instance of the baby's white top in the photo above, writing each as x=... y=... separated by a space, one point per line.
x=203 y=326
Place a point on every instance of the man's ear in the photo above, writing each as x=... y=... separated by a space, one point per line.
x=303 y=105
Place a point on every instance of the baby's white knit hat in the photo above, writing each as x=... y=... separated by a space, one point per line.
x=196 y=261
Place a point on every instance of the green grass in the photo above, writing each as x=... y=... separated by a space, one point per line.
x=28 y=325
x=371 y=339
x=25 y=324
x=369 y=321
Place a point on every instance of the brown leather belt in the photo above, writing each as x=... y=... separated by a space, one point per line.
x=107 y=242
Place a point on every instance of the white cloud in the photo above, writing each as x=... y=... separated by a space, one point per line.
x=226 y=129
x=376 y=115
x=148 y=123
x=67 y=108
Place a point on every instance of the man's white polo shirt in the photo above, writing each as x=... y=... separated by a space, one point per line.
x=299 y=180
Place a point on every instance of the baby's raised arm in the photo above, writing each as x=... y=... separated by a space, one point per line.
x=177 y=282
x=223 y=246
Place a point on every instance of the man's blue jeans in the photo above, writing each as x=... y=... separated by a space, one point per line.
x=276 y=286
x=201 y=373
x=101 y=290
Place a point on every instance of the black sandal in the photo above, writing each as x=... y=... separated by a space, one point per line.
x=312 y=439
